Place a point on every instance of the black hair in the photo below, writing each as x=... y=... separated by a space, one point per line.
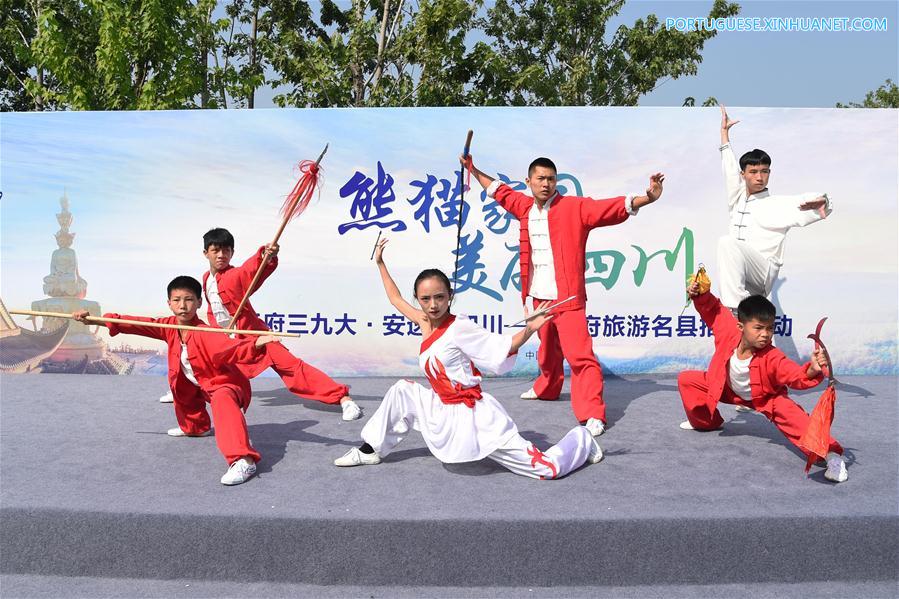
x=221 y=238
x=186 y=283
x=432 y=273
x=754 y=158
x=756 y=307
x=544 y=162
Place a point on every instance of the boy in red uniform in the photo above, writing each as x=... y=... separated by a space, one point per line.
x=202 y=368
x=225 y=285
x=747 y=370
x=554 y=231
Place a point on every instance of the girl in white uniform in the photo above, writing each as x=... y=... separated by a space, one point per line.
x=459 y=422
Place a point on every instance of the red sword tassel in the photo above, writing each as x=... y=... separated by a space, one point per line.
x=816 y=439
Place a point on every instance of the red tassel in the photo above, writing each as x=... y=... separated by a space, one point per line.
x=816 y=439
x=298 y=199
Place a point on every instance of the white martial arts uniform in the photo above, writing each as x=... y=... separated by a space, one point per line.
x=458 y=421
x=751 y=254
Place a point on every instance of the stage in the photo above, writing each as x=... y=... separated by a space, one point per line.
x=98 y=501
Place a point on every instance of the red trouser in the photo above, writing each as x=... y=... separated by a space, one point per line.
x=566 y=336
x=230 y=426
x=301 y=378
x=786 y=414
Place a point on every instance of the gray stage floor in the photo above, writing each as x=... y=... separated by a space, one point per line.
x=94 y=448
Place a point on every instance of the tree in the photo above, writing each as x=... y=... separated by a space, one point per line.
x=26 y=85
x=885 y=96
x=690 y=101
x=381 y=53
x=126 y=54
x=110 y=54
x=556 y=52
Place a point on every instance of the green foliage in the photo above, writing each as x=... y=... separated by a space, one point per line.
x=148 y=54
x=17 y=29
x=690 y=101
x=382 y=53
x=557 y=52
x=116 y=54
x=885 y=96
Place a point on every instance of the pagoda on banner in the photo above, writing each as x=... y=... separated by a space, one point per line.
x=22 y=350
x=81 y=350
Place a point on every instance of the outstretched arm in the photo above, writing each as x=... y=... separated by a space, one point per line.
x=798 y=376
x=393 y=292
x=794 y=211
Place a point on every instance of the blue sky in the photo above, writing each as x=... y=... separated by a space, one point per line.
x=797 y=69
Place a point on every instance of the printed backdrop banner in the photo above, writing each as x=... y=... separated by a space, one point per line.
x=143 y=187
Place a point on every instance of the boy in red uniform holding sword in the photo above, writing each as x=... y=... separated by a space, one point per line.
x=203 y=367
x=225 y=285
x=554 y=231
x=747 y=370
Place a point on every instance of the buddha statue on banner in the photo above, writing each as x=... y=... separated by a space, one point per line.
x=67 y=291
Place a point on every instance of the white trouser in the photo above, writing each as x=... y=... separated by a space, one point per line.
x=399 y=412
x=743 y=271
x=522 y=457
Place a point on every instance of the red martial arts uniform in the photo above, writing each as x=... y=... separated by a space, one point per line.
x=770 y=373
x=570 y=220
x=213 y=358
x=300 y=378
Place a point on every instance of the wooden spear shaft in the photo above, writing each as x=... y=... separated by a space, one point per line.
x=158 y=325
x=266 y=256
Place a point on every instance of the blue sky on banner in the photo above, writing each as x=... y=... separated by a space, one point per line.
x=145 y=186
x=769 y=68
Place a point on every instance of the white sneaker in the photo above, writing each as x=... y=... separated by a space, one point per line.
x=354 y=457
x=689 y=427
x=529 y=394
x=177 y=432
x=595 y=455
x=167 y=398
x=595 y=426
x=240 y=472
x=836 y=468
x=743 y=409
x=351 y=410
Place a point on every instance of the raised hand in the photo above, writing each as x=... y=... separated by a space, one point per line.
x=379 y=250
x=819 y=204
x=81 y=316
x=818 y=362
x=726 y=122
x=693 y=288
x=654 y=191
x=539 y=317
x=272 y=249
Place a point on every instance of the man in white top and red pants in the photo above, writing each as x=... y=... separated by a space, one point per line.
x=554 y=231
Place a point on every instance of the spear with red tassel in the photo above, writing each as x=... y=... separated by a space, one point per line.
x=297 y=201
x=816 y=439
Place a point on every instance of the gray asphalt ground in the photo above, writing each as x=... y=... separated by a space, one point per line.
x=98 y=501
